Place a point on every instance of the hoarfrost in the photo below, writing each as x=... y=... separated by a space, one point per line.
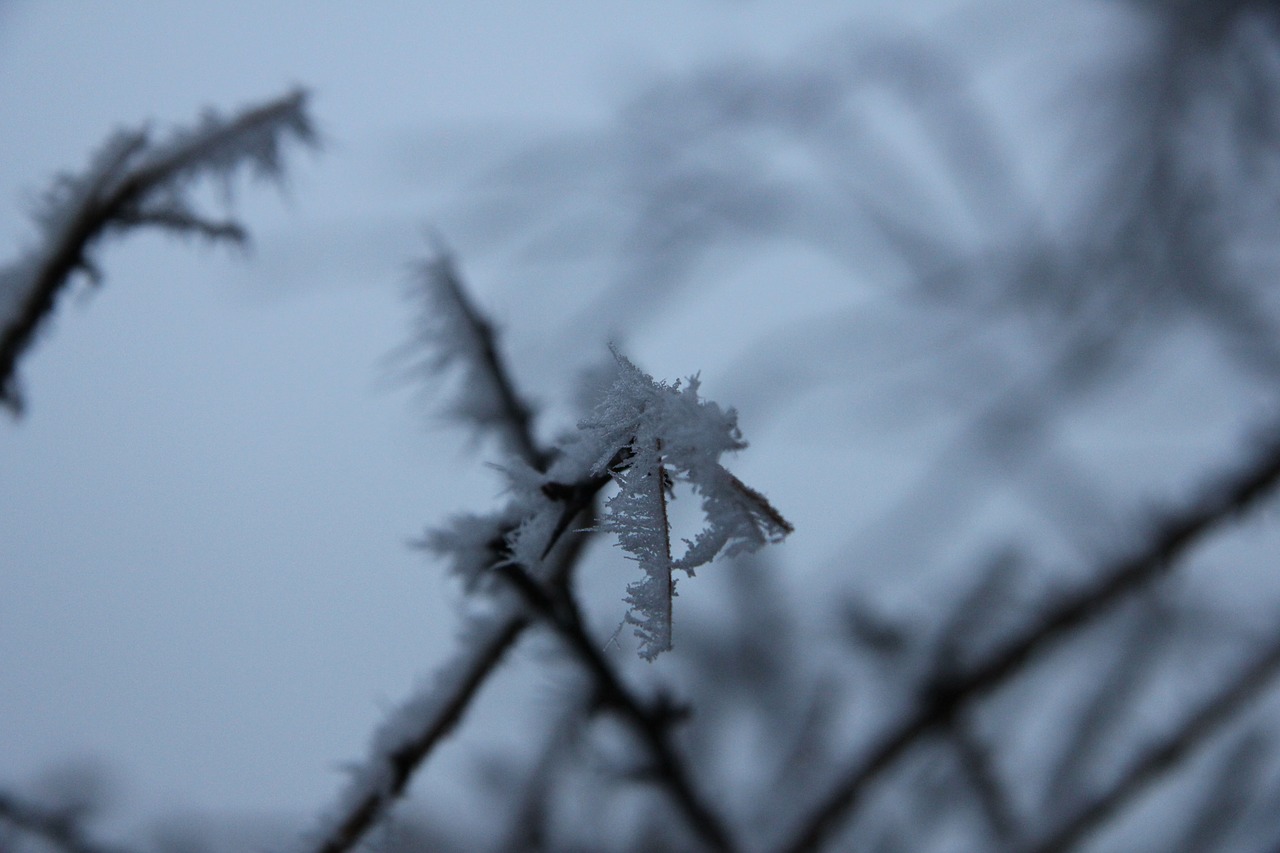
x=412 y=730
x=131 y=183
x=457 y=334
x=649 y=436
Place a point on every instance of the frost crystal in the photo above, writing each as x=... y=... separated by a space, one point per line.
x=649 y=436
x=472 y=543
x=456 y=333
x=135 y=182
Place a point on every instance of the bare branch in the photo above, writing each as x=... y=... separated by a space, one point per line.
x=1165 y=755
x=529 y=825
x=1241 y=775
x=651 y=722
x=61 y=830
x=1145 y=637
x=135 y=183
x=1170 y=540
x=976 y=763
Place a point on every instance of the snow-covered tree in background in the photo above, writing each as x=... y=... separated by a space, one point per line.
x=1014 y=650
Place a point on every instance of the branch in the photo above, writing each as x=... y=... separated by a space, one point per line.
x=1227 y=801
x=456 y=331
x=1165 y=755
x=543 y=506
x=529 y=827
x=651 y=722
x=388 y=772
x=974 y=757
x=1177 y=534
x=60 y=829
x=134 y=183
x=402 y=744
x=1145 y=637
x=405 y=740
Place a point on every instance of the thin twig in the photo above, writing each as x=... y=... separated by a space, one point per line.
x=1227 y=801
x=1232 y=495
x=528 y=829
x=483 y=657
x=651 y=723
x=1146 y=635
x=976 y=763
x=116 y=198
x=61 y=830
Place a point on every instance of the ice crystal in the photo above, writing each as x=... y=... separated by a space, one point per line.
x=650 y=436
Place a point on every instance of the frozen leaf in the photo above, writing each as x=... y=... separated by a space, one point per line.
x=656 y=435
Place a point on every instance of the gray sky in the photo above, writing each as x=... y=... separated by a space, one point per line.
x=205 y=582
x=204 y=578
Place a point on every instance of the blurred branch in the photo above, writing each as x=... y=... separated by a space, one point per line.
x=528 y=829
x=977 y=765
x=62 y=830
x=1240 y=774
x=1145 y=636
x=414 y=734
x=456 y=331
x=1170 y=540
x=135 y=183
x=1164 y=756
x=408 y=736
x=979 y=608
x=651 y=722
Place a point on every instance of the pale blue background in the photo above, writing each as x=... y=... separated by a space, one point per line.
x=204 y=578
x=204 y=582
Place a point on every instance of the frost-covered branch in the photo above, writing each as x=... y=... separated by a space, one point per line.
x=404 y=741
x=641 y=428
x=457 y=334
x=651 y=722
x=135 y=182
x=528 y=537
x=1169 y=541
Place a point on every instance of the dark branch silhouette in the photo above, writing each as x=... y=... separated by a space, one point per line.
x=651 y=722
x=1173 y=536
x=60 y=829
x=1162 y=757
x=136 y=183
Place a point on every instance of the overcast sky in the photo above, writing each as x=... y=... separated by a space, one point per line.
x=204 y=581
